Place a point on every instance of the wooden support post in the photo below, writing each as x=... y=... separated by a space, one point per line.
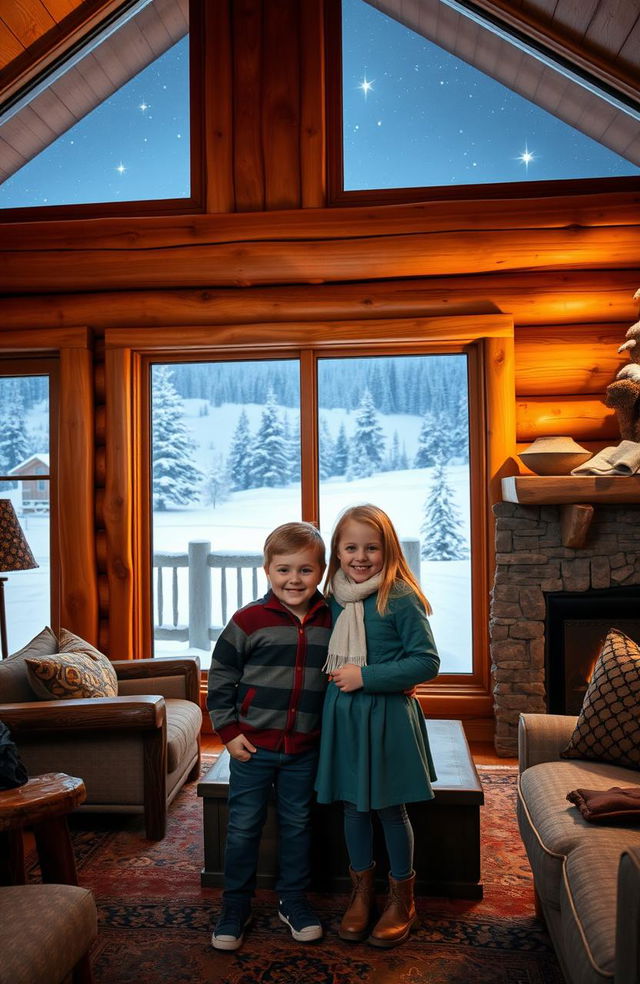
x=574 y=523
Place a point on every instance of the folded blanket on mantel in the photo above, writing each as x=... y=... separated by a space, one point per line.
x=620 y=804
x=621 y=460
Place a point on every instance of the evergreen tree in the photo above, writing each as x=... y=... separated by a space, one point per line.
x=403 y=463
x=292 y=438
x=442 y=537
x=394 y=454
x=341 y=452
x=270 y=459
x=14 y=443
x=459 y=430
x=239 y=454
x=431 y=442
x=367 y=444
x=326 y=462
x=217 y=484
x=175 y=478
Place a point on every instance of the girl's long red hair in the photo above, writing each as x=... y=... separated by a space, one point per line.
x=395 y=570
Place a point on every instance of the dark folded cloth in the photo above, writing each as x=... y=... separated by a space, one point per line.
x=620 y=804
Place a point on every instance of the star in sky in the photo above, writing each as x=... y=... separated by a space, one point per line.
x=143 y=107
x=121 y=168
x=366 y=86
x=526 y=157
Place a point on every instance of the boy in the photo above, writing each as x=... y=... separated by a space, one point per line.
x=266 y=689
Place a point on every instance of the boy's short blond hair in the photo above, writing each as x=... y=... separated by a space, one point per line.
x=292 y=537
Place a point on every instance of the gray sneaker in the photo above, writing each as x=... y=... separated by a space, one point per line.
x=300 y=918
x=232 y=922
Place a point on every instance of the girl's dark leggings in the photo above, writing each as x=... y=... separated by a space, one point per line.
x=398 y=836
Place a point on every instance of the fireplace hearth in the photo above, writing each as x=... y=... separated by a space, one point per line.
x=531 y=565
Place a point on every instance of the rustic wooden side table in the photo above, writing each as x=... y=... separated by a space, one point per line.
x=42 y=804
x=447 y=829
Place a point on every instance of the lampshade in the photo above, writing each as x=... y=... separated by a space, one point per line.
x=15 y=553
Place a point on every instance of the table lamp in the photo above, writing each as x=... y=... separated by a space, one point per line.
x=15 y=555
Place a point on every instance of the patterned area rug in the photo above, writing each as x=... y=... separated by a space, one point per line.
x=156 y=920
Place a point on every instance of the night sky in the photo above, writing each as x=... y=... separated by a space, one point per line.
x=134 y=146
x=415 y=115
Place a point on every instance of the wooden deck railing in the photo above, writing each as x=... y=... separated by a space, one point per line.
x=211 y=600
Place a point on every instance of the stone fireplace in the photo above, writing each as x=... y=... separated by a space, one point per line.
x=531 y=563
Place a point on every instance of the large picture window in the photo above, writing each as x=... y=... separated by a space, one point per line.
x=226 y=465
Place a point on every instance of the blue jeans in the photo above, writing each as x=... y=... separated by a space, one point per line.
x=250 y=784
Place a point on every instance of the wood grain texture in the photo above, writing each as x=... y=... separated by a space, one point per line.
x=534 y=299
x=583 y=417
x=247 y=98
x=575 y=520
x=280 y=116
x=560 y=361
x=313 y=151
x=218 y=108
x=118 y=504
x=558 y=489
x=75 y=468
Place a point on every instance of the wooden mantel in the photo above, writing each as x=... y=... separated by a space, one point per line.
x=576 y=494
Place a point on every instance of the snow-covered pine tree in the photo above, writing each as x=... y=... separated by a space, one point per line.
x=14 y=443
x=216 y=485
x=432 y=442
x=326 y=462
x=174 y=476
x=239 y=454
x=367 y=443
x=270 y=458
x=292 y=437
x=442 y=538
x=341 y=452
x=459 y=430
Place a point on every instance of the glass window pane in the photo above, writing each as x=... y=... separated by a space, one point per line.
x=112 y=125
x=416 y=115
x=24 y=479
x=225 y=460
x=394 y=432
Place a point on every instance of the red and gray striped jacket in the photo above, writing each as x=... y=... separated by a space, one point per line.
x=266 y=680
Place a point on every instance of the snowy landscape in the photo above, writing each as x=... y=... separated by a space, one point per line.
x=228 y=472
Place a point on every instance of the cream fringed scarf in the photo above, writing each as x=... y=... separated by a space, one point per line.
x=348 y=642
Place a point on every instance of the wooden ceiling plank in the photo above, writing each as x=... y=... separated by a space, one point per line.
x=573 y=16
x=28 y=19
x=95 y=77
x=10 y=47
x=10 y=157
x=25 y=140
x=154 y=30
x=629 y=51
x=611 y=24
x=59 y=9
x=53 y=111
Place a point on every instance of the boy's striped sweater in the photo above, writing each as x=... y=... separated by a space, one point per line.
x=266 y=680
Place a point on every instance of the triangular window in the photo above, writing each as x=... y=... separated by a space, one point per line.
x=435 y=97
x=110 y=122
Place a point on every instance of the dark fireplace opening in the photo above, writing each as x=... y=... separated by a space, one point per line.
x=577 y=623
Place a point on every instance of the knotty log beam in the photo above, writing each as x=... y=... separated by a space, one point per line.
x=581 y=416
x=532 y=298
x=575 y=521
x=317 y=260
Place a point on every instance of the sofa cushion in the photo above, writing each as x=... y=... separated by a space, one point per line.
x=14 y=678
x=588 y=906
x=44 y=931
x=608 y=727
x=184 y=719
x=64 y=676
x=551 y=827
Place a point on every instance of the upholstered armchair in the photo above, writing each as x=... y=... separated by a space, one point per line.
x=134 y=751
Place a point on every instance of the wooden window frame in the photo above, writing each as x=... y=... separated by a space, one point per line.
x=336 y=194
x=67 y=352
x=487 y=339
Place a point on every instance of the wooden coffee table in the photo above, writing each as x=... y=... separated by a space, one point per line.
x=447 y=829
x=42 y=805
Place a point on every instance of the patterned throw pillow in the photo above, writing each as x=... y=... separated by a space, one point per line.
x=608 y=728
x=77 y=670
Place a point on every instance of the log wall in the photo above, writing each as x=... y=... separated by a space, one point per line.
x=268 y=248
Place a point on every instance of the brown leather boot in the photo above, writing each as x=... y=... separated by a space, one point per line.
x=399 y=916
x=356 y=921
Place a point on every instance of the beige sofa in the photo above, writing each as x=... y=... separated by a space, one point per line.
x=134 y=751
x=586 y=876
x=46 y=932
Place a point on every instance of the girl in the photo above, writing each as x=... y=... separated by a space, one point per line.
x=374 y=750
